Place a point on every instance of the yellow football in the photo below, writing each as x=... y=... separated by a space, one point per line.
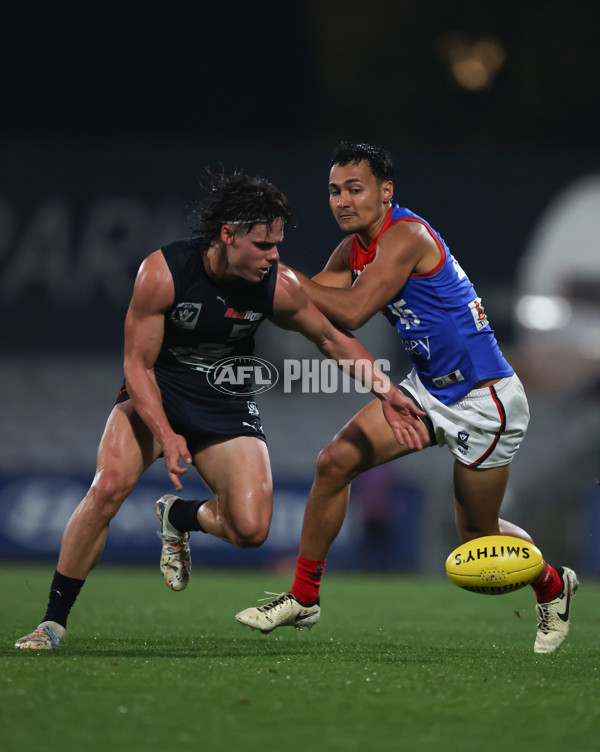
x=494 y=564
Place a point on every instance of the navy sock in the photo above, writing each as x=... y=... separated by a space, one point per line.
x=63 y=594
x=183 y=515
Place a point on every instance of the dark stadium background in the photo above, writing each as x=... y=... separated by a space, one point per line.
x=111 y=112
x=280 y=74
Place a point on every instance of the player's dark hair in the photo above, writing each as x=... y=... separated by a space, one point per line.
x=240 y=200
x=379 y=158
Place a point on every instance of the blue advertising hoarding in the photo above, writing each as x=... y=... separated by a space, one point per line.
x=35 y=508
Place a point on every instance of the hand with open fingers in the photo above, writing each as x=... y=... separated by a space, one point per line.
x=174 y=450
x=403 y=415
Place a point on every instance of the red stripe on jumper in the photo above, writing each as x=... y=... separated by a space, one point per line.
x=492 y=446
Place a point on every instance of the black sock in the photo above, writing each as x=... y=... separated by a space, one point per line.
x=63 y=594
x=183 y=515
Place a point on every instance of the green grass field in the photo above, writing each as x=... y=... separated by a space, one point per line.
x=396 y=663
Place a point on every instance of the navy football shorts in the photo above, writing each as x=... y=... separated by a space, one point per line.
x=201 y=417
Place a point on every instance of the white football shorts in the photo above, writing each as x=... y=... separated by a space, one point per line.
x=485 y=428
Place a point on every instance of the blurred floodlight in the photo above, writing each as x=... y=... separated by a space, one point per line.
x=543 y=312
x=473 y=64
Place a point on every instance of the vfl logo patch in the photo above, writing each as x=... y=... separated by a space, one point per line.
x=479 y=317
x=463 y=438
x=185 y=315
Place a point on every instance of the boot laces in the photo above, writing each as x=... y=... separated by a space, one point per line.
x=280 y=600
x=543 y=615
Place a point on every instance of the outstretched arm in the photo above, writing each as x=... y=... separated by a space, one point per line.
x=335 y=274
x=405 y=248
x=144 y=331
x=294 y=310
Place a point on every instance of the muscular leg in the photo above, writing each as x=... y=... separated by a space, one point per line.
x=238 y=472
x=478 y=495
x=126 y=450
x=364 y=442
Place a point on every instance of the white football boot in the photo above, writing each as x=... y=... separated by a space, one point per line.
x=47 y=636
x=553 y=617
x=284 y=611
x=175 y=557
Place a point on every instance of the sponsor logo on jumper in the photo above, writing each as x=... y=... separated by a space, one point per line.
x=231 y=313
x=448 y=378
x=185 y=315
x=478 y=314
x=418 y=347
x=252 y=408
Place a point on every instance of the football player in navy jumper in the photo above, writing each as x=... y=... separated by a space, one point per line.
x=195 y=302
x=393 y=261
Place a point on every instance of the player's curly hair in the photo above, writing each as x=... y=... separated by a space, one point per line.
x=379 y=158
x=238 y=199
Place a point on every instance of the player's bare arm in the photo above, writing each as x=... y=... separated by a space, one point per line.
x=405 y=248
x=153 y=293
x=336 y=272
x=292 y=309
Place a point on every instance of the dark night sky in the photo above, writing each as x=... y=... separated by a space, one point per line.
x=192 y=71
x=311 y=72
